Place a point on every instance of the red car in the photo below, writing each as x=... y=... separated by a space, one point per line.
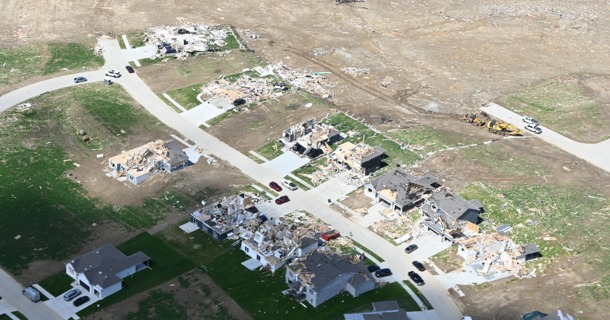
x=275 y=186
x=282 y=199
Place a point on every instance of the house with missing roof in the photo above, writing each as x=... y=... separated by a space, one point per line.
x=101 y=271
x=445 y=212
x=400 y=190
x=321 y=276
x=273 y=243
x=140 y=163
x=358 y=158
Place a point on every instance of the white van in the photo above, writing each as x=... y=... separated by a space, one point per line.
x=32 y=294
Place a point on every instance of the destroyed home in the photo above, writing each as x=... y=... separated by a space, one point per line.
x=140 y=163
x=221 y=218
x=399 y=190
x=310 y=139
x=101 y=271
x=322 y=275
x=249 y=87
x=446 y=212
x=188 y=39
x=359 y=158
x=276 y=241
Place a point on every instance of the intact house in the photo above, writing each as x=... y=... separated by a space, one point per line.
x=101 y=271
x=359 y=158
x=140 y=163
x=220 y=219
x=274 y=242
x=321 y=276
x=446 y=213
x=399 y=190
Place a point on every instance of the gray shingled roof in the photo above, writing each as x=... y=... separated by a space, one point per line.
x=175 y=153
x=408 y=188
x=327 y=268
x=453 y=204
x=100 y=266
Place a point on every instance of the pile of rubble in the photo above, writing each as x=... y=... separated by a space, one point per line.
x=495 y=253
x=188 y=39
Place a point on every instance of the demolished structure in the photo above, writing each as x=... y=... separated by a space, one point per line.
x=322 y=275
x=446 y=213
x=222 y=218
x=189 y=39
x=140 y=163
x=361 y=158
x=495 y=254
x=271 y=244
x=399 y=190
x=310 y=138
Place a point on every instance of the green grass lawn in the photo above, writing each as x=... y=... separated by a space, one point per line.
x=57 y=284
x=159 y=305
x=165 y=264
x=71 y=56
x=504 y=162
x=17 y=65
x=432 y=139
x=368 y=251
x=270 y=150
x=565 y=105
x=240 y=283
x=187 y=96
x=395 y=154
x=136 y=39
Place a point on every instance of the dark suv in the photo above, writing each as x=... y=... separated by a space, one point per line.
x=411 y=248
x=383 y=273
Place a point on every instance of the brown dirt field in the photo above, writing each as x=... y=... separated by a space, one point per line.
x=254 y=127
x=174 y=74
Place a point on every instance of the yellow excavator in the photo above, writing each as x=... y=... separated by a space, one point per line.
x=477 y=119
x=503 y=128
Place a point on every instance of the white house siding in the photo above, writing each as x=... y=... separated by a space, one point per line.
x=253 y=253
x=329 y=291
x=303 y=251
x=110 y=290
x=127 y=272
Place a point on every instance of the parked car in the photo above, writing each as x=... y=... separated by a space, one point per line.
x=239 y=102
x=80 y=301
x=419 y=266
x=533 y=128
x=80 y=79
x=530 y=120
x=383 y=273
x=31 y=293
x=113 y=73
x=282 y=199
x=410 y=248
x=273 y=185
x=373 y=268
x=288 y=184
x=72 y=294
x=129 y=69
x=416 y=278
x=331 y=234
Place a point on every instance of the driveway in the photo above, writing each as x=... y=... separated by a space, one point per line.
x=12 y=298
x=286 y=163
x=66 y=309
x=597 y=154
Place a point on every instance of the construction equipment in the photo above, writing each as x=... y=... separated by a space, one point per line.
x=479 y=119
x=503 y=128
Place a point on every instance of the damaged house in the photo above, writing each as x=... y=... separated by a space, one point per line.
x=446 y=213
x=311 y=139
x=321 y=276
x=140 y=163
x=361 y=158
x=220 y=219
x=495 y=254
x=399 y=190
x=272 y=244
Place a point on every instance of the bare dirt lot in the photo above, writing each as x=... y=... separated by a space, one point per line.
x=440 y=56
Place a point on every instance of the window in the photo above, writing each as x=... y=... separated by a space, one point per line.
x=258 y=257
x=246 y=249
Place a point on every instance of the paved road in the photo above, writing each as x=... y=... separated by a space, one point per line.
x=10 y=290
x=597 y=154
x=311 y=202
